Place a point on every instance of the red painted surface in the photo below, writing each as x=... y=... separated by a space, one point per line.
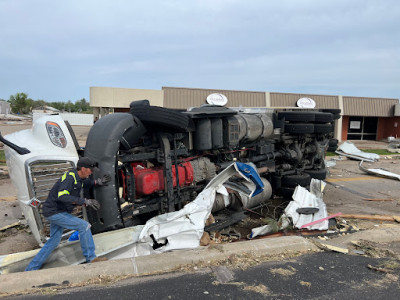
x=152 y=180
x=388 y=127
x=345 y=127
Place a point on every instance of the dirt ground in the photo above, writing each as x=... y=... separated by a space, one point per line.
x=346 y=190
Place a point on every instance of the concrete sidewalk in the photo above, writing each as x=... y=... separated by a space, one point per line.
x=167 y=262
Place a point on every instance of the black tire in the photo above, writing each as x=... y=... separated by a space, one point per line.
x=323 y=117
x=299 y=128
x=332 y=148
x=332 y=110
x=295 y=180
x=317 y=174
x=161 y=116
x=333 y=142
x=323 y=128
x=336 y=116
x=286 y=192
x=276 y=182
x=297 y=116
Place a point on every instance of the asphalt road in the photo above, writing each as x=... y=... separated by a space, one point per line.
x=322 y=275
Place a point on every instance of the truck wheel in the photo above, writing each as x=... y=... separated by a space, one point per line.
x=296 y=179
x=332 y=148
x=323 y=128
x=297 y=116
x=331 y=110
x=333 y=142
x=317 y=174
x=286 y=192
x=299 y=128
x=323 y=117
x=162 y=116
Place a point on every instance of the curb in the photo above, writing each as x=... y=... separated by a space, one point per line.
x=159 y=263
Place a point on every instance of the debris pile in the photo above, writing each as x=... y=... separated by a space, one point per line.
x=349 y=150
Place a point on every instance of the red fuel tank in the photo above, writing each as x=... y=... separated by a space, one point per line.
x=152 y=180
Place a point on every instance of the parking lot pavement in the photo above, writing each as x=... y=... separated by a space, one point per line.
x=348 y=188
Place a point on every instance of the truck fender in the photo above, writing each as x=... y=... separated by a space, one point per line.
x=107 y=136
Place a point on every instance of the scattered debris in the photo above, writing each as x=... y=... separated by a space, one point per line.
x=378 y=250
x=372 y=217
x=261 y=289
x=290 y=271
x=222 y=274
x=383 y=270
x=380 y=172
x=320 y=220
x=333 y=248
x=305 y=283
x=302 y=198
x=349 y=150
x=263 y=230
x=330 y=163
x=370 y=199
x=10 y=226
x=183 y=229
x=394 y=146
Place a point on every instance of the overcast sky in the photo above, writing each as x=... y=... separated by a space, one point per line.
x=56 y=50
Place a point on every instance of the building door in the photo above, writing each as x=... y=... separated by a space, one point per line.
x=362 y=128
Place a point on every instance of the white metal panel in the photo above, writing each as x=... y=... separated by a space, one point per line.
x=72 y=118
x=78 y=119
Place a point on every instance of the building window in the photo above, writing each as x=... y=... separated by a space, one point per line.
x=362 y=128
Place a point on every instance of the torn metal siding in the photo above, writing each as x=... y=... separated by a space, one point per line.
x=302 y=198
x=374 y=107
x=289 y=100
x=182 y=98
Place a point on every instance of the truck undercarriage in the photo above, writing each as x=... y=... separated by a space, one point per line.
x=163 y=158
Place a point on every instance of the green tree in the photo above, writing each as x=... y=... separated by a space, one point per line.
x=57 y=105
x=20 y=103
x=39 y=103
x=82 y=106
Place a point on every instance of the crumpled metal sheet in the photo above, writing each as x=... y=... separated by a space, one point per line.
x=379 y=172
x=183 y=229
x=302 y=198
x=108 y=244
x=350 y=150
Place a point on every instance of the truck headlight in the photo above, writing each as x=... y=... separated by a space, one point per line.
x=56 y=135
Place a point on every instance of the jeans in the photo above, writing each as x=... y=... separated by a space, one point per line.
x=58 y=223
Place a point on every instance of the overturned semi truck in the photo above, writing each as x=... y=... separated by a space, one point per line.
x=160 y=159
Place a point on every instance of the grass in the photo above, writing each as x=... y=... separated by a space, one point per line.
x=2 y=158
x=331 y=154
x=376 y=151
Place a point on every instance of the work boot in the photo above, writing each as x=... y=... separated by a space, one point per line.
x=97 y=259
